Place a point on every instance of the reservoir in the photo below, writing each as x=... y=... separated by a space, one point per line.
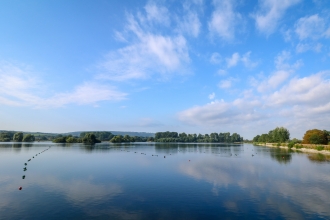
x=161 y=181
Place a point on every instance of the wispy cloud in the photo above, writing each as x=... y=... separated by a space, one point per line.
x=224 y=20
x=212 y=96
x=303 y=47
x=312 y=27
x=221 y=112
x=225 y=84
x=215 y=58
x=189 y=23
x=270 y=13
x=245 y=59
x=147 y=53
x=283 y=71
x=282 y=96
x=21 y=88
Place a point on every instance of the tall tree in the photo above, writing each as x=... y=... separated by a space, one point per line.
x=315 y=136
x=18 y=136
x=5 y=137
x=28 y=138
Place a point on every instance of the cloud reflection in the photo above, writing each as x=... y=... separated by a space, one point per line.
x=307 y=189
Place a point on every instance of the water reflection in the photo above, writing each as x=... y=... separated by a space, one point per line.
x=253 y=181
x=27 y=145
x=319 y=158
x=281 y=155
x=17 y=147
x=117 y=181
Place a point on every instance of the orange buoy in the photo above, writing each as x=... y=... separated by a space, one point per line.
x=20 y=188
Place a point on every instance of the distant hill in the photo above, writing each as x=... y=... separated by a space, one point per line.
x=130 y=133
x=77 y=133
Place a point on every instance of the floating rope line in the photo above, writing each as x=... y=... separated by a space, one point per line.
x=25 y=164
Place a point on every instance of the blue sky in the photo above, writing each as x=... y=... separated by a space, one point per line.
x=193 y=66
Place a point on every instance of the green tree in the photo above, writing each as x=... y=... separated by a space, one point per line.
x=28 y=138
x=60 y=140
x=256 y=138
x=315 y=136
x=5 y=137
x=90 y=138
x=18 y=136
x=280 y=135
x=117 y=139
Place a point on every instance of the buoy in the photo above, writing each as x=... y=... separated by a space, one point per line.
x=23 y=177
x=164 y=156
x=20 y=188
x=189 y=160
x=25 y=164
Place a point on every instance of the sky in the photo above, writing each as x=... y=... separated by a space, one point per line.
x=187 y=66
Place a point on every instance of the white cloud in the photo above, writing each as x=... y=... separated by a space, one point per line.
x=281 y=62
x=87 y=93
x=149 y=53
x=313 y=27
x=303 y=103
x=303 y=47
x=212 y=96
x=220 y=112
x=21 y=88
x=270 y=13
x=282 y=72
x=156 y=13
x=233 y=60
x=247 y=62
x=190 y=24
x=224 y=20
x=245 y=59
x=221 y=72
x=215 y=58
x=313 y=90
x=273 y=81
x=225 y=84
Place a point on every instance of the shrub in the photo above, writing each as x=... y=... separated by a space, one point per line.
x=319 y=148
x=291 y=144
x=278 y=144
x=298 y=146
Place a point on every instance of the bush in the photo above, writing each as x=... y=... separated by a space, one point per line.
x=319 y=148
x=291 y=144
x=298 y=146
x=278 y=144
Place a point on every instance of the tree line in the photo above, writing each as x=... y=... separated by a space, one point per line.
x=278 y=135
x=97 y=137
x=18 y=137
x=193 y=138
x=282 y=135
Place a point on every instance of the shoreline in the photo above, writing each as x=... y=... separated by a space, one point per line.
x=305 y=150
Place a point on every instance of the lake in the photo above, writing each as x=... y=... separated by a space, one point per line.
x=161 y=181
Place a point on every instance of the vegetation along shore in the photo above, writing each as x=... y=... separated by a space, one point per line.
x=314 y=141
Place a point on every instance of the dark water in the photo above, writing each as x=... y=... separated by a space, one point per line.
x=194 y=181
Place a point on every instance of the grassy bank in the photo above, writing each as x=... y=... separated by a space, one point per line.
x=310 y=148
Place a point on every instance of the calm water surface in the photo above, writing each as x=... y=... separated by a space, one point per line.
x=193 y=181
